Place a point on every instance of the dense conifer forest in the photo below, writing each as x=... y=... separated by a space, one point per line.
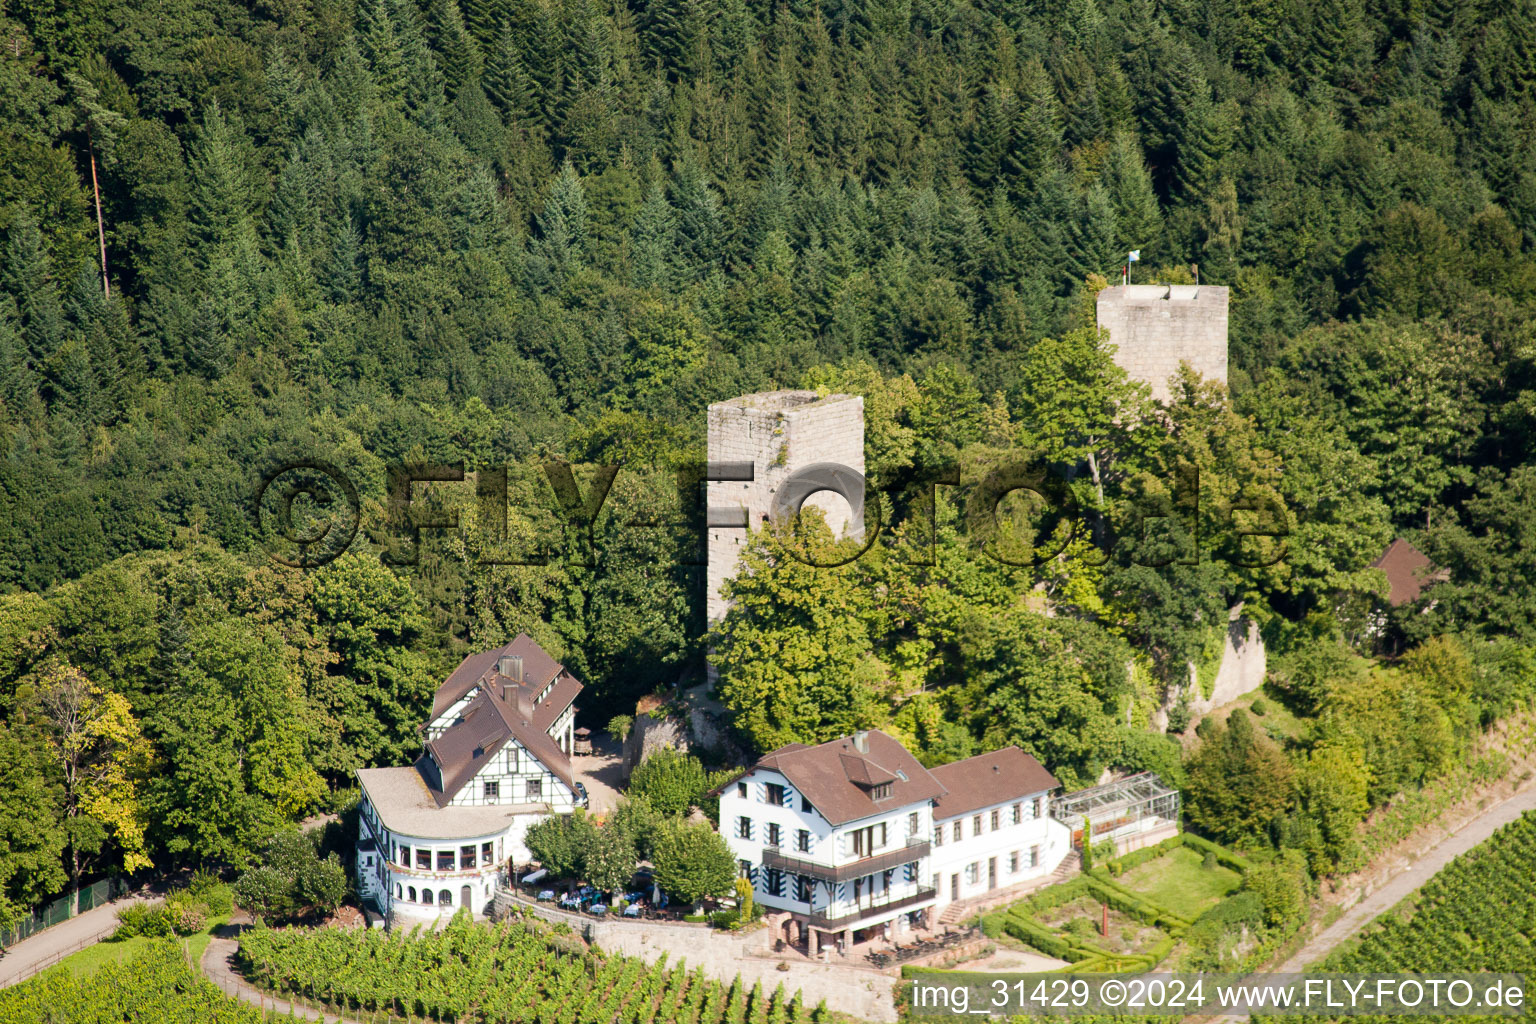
x=517 y=233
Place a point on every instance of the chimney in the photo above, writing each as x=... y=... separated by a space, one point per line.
x=511 y=666
x=861 y=741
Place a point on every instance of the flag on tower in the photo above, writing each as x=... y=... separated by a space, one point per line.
x=1133 y=255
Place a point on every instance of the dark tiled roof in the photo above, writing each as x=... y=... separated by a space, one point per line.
x=538 y=670
x=500 y=711
x=987 y=779
x=840 y=780
x=1408 y=571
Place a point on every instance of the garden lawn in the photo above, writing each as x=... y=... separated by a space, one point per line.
x=1177 y=880
x=89 y=959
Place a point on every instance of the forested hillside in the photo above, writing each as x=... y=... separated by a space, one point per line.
x=505 y=232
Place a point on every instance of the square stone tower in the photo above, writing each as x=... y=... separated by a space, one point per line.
x=776 y=433
x=1156 y=327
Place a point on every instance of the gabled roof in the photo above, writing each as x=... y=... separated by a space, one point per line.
x=988 y=779
x=840 y=780
x=1408 y=571
x=539 y=669
x=502 y=710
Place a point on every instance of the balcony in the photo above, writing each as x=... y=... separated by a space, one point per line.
x=820 y=918
x=915 y=849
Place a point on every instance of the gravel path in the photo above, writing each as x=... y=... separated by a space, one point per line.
x=1405 y=883
x=49 y=946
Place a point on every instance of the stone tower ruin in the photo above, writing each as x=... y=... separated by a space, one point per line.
x=777 y=433
x=1155 y=327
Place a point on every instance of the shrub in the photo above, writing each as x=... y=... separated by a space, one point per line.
x=150 y=920
x=209 y=890
x=1180 y=714
x=1259 y=707
x=1208 y=862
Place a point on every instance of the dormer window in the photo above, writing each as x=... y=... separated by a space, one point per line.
x=882 y=791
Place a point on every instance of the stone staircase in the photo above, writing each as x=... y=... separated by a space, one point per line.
x=960 y=910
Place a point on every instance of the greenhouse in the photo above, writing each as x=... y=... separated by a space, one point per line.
x=1132 y=811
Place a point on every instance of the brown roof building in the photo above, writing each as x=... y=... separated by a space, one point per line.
x=988 y=779
x=435 y=834
x=1408 y=571
x=854 y=777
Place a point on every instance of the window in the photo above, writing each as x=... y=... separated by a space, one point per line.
x=774 y=794
x=1013 y=862
x=997 y=820
x=398 y=893
x=487 y=854
x=404 y=859
x=1018 y=813
x=492 y=792
x=423 y=860
x=772 y=836
x=803 y=840
x=972 y=872
x=1039 y=806
x=743 y=869
x=1034 y=856
x=445 y=898
x=805 y=804
x=741 y=790
x=744 y=827
x=868 y=839
x=956 y=832
x=412 y=891
x=912 y=824
x=445 y=860
x=535 y=789
x=804 y=886
x=938 y=835
x=976 y=825
x=467 y=857
x=773 y=881
x=885 y=878
x=882 y=791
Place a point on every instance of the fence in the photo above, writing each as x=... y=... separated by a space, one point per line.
x=59 y=910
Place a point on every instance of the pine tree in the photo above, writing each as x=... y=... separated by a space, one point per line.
x=508 y=84
x=379 y=41
x=207 y=342
x=1037 y=141
x=652 y=241
x=30 y=282
x=423 y=81
x=225 y=191
x=669 y=36
x=458 y=54
x=563 y=224
x=1091 y=235
x=1138 y=220
x=18 y=381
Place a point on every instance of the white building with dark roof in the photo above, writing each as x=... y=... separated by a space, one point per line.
x=434 y=835
x=992 y=828
x=841 y=837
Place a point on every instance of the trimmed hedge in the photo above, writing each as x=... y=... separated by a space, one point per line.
x=1136 y=858
x=1225 y=857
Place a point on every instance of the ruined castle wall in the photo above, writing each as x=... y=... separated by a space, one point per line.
x=779 y=432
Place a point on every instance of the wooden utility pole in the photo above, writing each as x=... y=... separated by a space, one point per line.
x=101 y=231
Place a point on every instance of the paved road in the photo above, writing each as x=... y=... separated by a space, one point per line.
x=49 y=946
x=218 y=965
x=1408 y=881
